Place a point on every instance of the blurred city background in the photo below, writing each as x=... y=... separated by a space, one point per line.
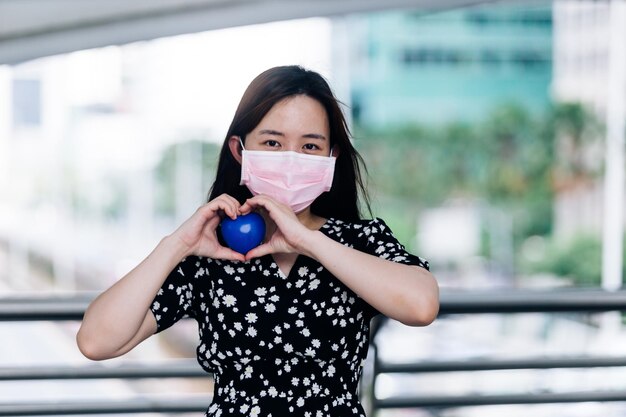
x=484 y=130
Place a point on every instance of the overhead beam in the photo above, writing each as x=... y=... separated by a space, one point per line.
x=125 y=29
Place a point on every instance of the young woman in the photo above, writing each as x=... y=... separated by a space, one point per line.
x=284 y=328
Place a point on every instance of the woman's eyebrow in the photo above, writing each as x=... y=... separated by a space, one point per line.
x=314 y=136
x=277 y=133
x=271 y=132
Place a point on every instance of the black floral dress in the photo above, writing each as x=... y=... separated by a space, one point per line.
x=276 y=344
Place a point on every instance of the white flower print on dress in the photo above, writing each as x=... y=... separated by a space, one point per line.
x=241 y=327
x=229 y=300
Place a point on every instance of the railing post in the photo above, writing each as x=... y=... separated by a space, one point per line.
x=373 y=406
x=614 y=171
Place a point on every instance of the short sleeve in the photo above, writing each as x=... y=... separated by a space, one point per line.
x=376 y=238
x=174 y=299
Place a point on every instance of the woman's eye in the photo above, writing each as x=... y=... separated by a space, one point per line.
x=272 y=143
x=311 y=147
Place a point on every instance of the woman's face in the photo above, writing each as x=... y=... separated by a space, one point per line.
x=297 y=123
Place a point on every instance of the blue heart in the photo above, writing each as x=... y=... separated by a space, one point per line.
x=244 y=233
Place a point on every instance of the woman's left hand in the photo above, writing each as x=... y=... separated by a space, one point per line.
x=407 y=293
x=289 y=235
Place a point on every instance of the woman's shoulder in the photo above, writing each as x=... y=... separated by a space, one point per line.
x=360 y=224
x=357 y=229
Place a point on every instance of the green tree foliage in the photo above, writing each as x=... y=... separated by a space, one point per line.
x=576 y=130
x=165 y=171
x=578 y=259
x=518 y=168
x=508 y=160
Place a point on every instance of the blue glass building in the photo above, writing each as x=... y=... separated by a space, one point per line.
x=417 y=67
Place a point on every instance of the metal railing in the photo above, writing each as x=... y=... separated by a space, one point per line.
x=554 y=301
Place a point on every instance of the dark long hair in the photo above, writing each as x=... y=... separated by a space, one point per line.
x=267 y=89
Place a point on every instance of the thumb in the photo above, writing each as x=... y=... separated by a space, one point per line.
x=229 y=254
x=261 y=250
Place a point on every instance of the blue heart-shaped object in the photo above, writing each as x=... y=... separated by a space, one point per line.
x=244 y=233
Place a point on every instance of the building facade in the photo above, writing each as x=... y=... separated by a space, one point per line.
x=417 y=67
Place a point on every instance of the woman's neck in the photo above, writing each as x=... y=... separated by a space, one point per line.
x=310 y=220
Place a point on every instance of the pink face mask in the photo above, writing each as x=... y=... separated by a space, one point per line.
x=292 y=178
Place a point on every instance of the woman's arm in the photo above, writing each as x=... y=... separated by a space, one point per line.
x=120 y=318
x=406 y=293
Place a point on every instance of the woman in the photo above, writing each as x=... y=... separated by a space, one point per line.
x=284 y=327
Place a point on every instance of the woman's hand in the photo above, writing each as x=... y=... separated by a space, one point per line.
x=289 y=235
x=198 y=233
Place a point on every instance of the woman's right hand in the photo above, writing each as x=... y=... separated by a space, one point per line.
x=120 y=318
x=198 y=233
